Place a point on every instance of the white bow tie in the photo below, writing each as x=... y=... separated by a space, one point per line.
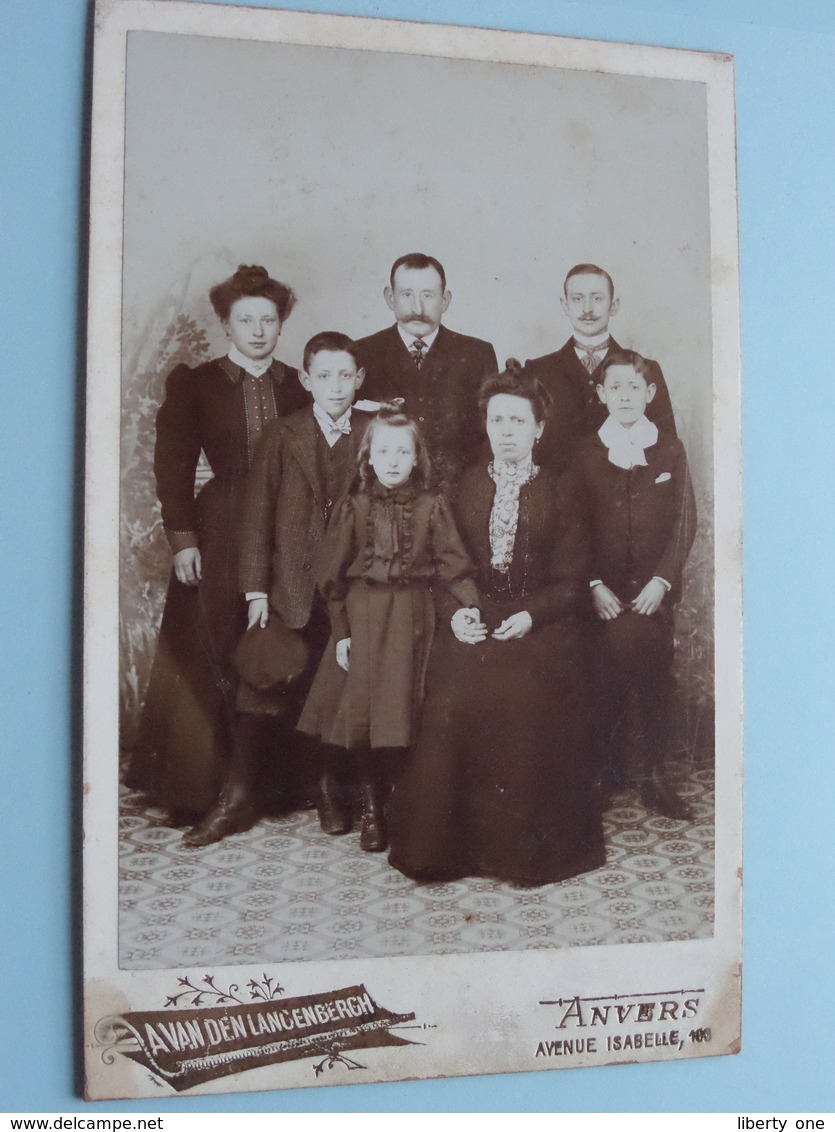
x=626 y=445
x=331 y=429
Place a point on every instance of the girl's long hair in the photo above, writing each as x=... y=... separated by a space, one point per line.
x=395 y=419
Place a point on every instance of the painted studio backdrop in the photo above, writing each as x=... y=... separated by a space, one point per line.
x=326 y=164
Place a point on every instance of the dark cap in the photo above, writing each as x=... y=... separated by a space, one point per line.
x=269 y=659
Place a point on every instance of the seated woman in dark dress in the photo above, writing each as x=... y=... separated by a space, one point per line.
x=221 y=408
x=500 y=783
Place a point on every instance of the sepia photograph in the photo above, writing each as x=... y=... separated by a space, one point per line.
x=412 y=643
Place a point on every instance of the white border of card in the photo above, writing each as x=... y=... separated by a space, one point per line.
x=414 y=1016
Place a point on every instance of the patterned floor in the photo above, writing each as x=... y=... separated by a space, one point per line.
x=285 y=891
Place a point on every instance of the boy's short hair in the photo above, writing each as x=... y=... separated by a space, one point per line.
x=589 y=269
x=422 y=469
x=624 y=358
x=328 y=340
x=418 y=261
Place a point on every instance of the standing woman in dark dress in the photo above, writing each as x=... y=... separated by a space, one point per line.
x=222 y=408
x=500 y=783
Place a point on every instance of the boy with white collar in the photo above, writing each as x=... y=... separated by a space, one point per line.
x=304 y=464
x=641 y=512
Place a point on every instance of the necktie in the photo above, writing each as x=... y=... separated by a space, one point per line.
x=418 y=349
x=588 y=359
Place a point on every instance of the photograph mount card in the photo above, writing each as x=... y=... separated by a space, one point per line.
x=466 y=796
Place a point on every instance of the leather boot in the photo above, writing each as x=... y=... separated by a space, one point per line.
x=334 y=816
x=235 y=809
x=655 y=789
x=373 y=836
x=232 y=814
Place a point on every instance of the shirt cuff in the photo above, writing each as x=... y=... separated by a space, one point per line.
x=663 y=581
x=254 y=595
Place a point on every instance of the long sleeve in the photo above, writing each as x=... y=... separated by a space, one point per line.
x=671 y=563
x=660 y=410
x=454 y=570
x=491 y=364
x=338 y=552
x=257 y=531
x=176 y=453
x=567 y=587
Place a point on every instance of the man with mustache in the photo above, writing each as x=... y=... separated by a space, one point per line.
x=568 y=374
x=436 y=372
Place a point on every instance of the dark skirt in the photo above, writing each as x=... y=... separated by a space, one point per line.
x=184 y=739
x=500 y=783
x=376 y=703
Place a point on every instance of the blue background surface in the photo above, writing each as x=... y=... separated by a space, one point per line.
x=785 y=69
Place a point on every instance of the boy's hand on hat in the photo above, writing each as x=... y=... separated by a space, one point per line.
x=188 y=566
x=607 y=605
x=259 y=612
x=650 y=597
x=343 y=652
x=513 y=627
x=467 y=626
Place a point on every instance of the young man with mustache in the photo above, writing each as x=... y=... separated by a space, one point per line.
x=568 y=375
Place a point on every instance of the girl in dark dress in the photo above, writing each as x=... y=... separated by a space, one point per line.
x=221 y=408
x=386 y=543
x=500 y=783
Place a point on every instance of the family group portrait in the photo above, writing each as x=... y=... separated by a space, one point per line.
x=418 y=593
x=416 y=516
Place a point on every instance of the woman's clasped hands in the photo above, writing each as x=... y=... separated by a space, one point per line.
x=513 y=627
x=468 y=627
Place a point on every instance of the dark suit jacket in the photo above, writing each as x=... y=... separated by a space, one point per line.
x=442 y=396
x=286 y=514
x=642 y=521
x=576 y=410
x=204 y=408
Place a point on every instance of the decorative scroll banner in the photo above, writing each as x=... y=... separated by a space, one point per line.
x=189 y=1047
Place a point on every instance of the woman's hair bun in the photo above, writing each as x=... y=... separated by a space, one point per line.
x=251 y=281
x=252 y=271
x=516 y=381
